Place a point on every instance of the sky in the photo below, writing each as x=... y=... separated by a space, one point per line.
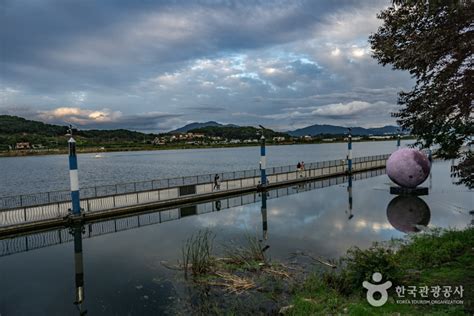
x=154 y=66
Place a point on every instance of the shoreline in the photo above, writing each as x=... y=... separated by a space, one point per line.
x=313 y=285
x=89 y=150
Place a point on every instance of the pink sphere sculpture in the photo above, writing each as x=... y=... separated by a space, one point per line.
x=408 y=167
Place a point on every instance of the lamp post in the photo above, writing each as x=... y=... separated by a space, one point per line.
x=73 y=175
x=263 y=159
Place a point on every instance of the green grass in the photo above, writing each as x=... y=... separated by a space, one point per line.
x=438 y=258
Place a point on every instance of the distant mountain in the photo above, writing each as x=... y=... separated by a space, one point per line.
x=339 y=130
x=196 y=125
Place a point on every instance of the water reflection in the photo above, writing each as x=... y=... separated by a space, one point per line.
x=124 y=254
x=349 y=193
x=264 y=215
x=77 y=230
x=408 y=213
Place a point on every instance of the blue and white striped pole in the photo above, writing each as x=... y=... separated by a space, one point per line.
x=398 y=140
x=349 y=151
x=263 y=162
x=74 y=178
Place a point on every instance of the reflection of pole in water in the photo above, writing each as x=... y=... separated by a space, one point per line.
x=349 y=191
x=79 y=266
x=431 y=179
x=264 y=215
x=349 y=151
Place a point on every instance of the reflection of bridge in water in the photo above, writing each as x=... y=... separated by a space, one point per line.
x=20 y=243
x=43 y=210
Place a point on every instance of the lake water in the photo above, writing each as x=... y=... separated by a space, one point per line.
x=23 y=175
x=122 y=271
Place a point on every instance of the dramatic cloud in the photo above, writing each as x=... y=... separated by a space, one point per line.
x=104 y=118
x=160 y=64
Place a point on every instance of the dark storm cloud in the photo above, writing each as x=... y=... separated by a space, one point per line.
x=54 y=44
x=205 y=108
x=194 y=61
x=142 y=122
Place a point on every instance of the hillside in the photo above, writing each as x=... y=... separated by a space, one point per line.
x=14 y=129
x=18 y=125
x=196 y=125
x=339 y=130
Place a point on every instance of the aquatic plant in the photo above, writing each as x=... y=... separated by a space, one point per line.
x=197 y=253
x=252 y=253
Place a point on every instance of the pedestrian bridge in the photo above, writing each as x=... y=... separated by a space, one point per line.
x=16 y=243
x=38 y=210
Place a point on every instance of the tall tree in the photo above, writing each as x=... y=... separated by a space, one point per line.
x=434 y=41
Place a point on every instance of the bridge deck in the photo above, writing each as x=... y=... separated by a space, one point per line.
x=15 y=239
x=47 y=214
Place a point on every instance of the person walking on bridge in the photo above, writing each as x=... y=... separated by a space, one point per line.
x=217 y=185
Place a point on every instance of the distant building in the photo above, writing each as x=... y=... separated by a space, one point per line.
x=25 y=145
x=38 y=146
x=307 y=137
x=278 y=139
x=380 y=137
x=249 y=141
x=158 y=141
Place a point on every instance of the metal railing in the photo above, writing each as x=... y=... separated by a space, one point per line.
x=49 y=238
x=43 y=198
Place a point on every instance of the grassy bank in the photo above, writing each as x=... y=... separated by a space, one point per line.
x=246 y=282
x=435 y=259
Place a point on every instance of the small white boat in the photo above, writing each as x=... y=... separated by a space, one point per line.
x=98 y=156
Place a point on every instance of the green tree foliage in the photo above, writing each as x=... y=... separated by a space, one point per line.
x=434 y=41
x=15 y=129
x=17 y=125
